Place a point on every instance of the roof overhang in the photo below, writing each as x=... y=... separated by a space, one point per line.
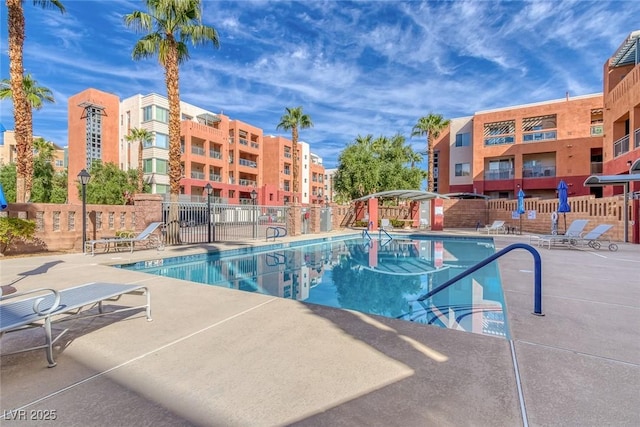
x=628 y=52
x=416 y=195
x=635 y=167
x=602 y=180
x=466 y=196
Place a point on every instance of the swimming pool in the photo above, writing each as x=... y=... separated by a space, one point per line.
x=383 y=276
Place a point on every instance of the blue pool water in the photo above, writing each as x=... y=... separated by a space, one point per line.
x=380 y=276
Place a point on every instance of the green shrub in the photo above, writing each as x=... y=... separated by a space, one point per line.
x=15 y=229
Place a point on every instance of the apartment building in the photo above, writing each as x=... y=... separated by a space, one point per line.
x=231 y=155
x=9 y=152
x=533 y=146
x=621 y=91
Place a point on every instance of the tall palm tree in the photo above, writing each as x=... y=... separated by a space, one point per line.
x=142 y=136
x=21 y=112
x=431 y=126
x=35 y=96
x=169 y=25
x=292 y=120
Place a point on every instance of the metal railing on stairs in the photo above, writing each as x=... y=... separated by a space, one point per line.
x=277 y=232
x=537 y=309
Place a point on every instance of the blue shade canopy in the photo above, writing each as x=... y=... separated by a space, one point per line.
x=3 y=200
x=521 y=209
x=563 y=196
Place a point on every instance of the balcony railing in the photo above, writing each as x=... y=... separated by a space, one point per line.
x=286 y=188
x=539 y=172
x=247 y=182
x=215 y=178
x=597 y=130
x=596 y=167
x=637 y=138
x=539 y=136
x=215 y=154
x=197 y=150
x=244 y=141
x=498 y=175
x=245 y=162
x=499 y=140
x=197 y=175
x=287 y=155
x=287 y=172
x=255 y=145
x=621 y=146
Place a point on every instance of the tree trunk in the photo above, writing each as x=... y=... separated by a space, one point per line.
x=175 y=171
x=140 y=174
x=430 y=179
x=16 y=74
x=295 y=163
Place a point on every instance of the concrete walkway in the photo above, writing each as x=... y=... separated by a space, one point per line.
x=219 y=357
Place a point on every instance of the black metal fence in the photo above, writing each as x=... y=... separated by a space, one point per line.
x=203 y=223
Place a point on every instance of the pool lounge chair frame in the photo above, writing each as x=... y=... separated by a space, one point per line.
x=497 y=226
x=570 y=238
x=593 y=238
x=40 y=310
x=146 y=236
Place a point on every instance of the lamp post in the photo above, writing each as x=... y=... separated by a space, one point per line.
x=209 y=189
x=84 y=178
x=254 y=196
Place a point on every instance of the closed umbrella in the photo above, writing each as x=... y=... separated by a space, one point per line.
x=3 y=199
x=520 y=206
x=563 y=201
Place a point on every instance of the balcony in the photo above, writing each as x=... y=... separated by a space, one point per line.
x=215 y=178
x=621 y=146
x=597 y=130
x=497 y=175
x=245 y=162
x=247 y=182
x=255 y=145
x=243 y=141
x=596 y=167
x=636 y=137
x=197 y=150
x=287 y=155
x=499 y=140
x=539 y=136
x=197 y=175
x=539 y=172
x=215 y=154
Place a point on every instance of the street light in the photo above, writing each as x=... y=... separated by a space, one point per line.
x=84 y=178
x=209 y=190
x=254 y=196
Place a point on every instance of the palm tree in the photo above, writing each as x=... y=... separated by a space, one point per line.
x=169 y=25
x=21 y=112
x=431 y=126
x=292 y=120
x=35 y=96
x=142 y=136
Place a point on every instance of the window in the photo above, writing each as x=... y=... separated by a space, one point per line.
x=162 y=189
x=463 y=139
x=499 y=133
x=463 y=169
x=147 y=113
x=162 y=140
x=540 y=128
x=162 y=115
x=161 y=166
x=147 y=165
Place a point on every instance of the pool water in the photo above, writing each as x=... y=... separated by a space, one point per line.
x=381 y=276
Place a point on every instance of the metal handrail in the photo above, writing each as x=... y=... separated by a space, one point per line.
x=276 y=232
x=385 y=232
x=537 y=309
x=365 y=233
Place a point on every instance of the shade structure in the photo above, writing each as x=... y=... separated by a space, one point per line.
x=3 y=199
x=563 y=201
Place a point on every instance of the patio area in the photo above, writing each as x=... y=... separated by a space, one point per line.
x=219 y=357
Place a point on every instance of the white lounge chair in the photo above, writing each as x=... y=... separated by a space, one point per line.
x=385 y=224
x=497 y=226
x=591 y=239
x=146 y=236
x=39 y=310
x=570 y=237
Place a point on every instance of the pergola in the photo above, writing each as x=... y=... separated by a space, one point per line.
x=624 y=180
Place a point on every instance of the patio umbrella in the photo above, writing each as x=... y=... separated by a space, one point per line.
x=3 y=200
x=521 y=209
x=563 y=203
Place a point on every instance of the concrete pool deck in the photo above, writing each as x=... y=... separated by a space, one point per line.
x=219 y=357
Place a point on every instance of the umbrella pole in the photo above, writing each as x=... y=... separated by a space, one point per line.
x=520 y=224
x=564 y=214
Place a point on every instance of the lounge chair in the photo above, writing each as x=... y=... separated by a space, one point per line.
x=591 y=239
x=569 y=238
x=497 y=226
x=147 y=237
x=39 y=310
x=385 y=224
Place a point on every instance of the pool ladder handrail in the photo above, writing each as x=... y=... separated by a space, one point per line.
x=537 y=309
x=276 y=232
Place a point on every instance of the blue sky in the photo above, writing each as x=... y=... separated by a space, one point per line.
x=357 y=68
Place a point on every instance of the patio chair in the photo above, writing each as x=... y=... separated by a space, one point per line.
x=147 y=237
x=29 y=311
x=497 y=226
x=570 y=237
x=592 y=238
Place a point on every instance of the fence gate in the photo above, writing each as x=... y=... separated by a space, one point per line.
x=222 y=223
